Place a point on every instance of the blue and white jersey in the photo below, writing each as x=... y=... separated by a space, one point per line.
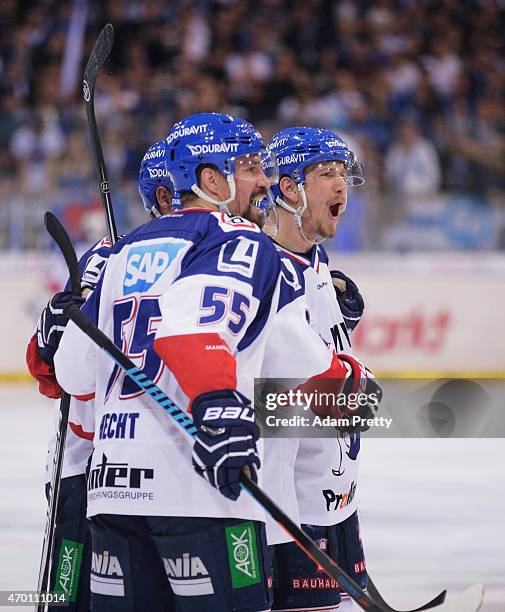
x=81 y=419
x=326 y=470
x=190 y=298
x=294 y=350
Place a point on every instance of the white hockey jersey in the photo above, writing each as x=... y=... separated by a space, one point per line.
x=326 y=469
x=190 y=283
x=294 y=350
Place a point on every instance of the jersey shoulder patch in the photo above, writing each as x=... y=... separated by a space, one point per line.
x=230 y=223
x=104 y=242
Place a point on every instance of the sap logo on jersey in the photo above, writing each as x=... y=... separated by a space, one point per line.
x=145 y=264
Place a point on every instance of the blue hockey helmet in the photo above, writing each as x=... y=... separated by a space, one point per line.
x=224 y=141
x=297 y=148
x=153 y=174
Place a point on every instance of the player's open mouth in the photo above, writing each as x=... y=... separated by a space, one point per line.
x=334 y=210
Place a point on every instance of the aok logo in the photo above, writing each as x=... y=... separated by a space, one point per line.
x=145 y=264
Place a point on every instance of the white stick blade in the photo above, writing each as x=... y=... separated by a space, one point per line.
x=469 y=600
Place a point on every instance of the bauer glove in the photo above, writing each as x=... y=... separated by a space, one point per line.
x=226 y=440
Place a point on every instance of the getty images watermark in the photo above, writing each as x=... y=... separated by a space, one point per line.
x=416 y=408
x=316 y=404
x=285 y=408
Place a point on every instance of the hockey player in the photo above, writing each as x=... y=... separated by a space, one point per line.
x=316 y=167
x=189 y=296
x=72 y=537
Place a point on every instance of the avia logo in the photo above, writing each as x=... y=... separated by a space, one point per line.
x=145 y=264
x=154 y=154
x=119 y=475
x=323 y=284
x=224 y=147
x=105 y=564
x=188 y=576
x=187 y=131
x=294 y=158
x=185 y=567
x=158 y=173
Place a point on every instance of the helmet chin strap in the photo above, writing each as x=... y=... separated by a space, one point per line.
x=298 y=212
x=222 y=204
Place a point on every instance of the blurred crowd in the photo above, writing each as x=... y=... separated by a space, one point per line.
x=416 y=87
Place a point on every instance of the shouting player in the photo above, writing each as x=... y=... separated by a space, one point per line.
x=316 y=167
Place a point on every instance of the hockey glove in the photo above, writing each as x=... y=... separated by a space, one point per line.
x=349 y=299
x=362 y=392
x=349 y=393
x=226 y=440
x=52 y=323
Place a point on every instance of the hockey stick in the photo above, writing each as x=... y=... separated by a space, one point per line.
x=375 y=594
x=468 y=601
x=96 y=60
x=60 y=236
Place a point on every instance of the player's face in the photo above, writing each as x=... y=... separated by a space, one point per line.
x=251 y=183
x=326 y=192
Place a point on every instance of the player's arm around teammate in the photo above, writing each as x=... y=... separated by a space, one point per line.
x=72 y=536
x=189 y=296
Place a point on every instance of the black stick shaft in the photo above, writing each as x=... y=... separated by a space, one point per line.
x=60 y=236
x=96 y=60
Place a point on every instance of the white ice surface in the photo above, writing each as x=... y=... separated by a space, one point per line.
x=432 y=511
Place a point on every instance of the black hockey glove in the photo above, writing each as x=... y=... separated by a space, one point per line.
x=349 y=299
x=226 y=440
x=52 y=323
